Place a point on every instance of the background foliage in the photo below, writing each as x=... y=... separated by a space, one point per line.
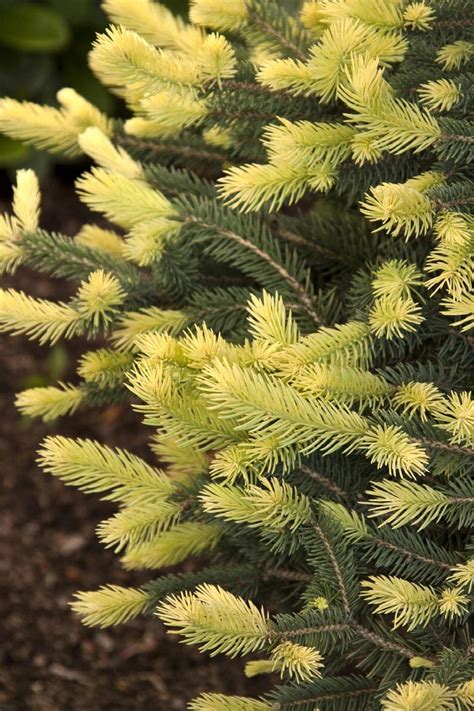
x=43 y=47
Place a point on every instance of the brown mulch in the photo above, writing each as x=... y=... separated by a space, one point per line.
x=48 y=550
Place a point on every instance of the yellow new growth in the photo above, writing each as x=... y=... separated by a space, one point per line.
x=299 y=662
x=461 y=309
x=390 y=446
x=135 y=323
x=394 y=125
x=99 y=298
x=419 y=399
x=404 y=502
x=391 y=317
x=463 y=575
x=250 y=186
x=403 y=208
x=101 y=239
x=50 y=402
x=101 y=149
x=220 y=702
x=109 y=605
x=453 y=56
x=411 y=604
x=48 y=128
x=25 y=218
x=396 y=278
x=104 y=367
x=133 y=68
x=453 y=603
x=136 y=525
x=155 y=23
x=122 y=200
x=418 y=16
x=145 y=242
x=454 y=227
x=341 y=384
x=419 y=696
x=271 y=505
x=168 y=112
x=305 y=143
x=440 y=95
x=172 y=546
x=456 y=416
x=325 y=71
x=26 y=200
x=95 y=468
x=40 y=319
x=216 y=620
x=218 y=14
x=216 y=59
x=270 y=321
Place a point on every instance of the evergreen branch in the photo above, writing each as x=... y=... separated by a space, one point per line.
x=298 y=288
x=382 y=643
x=299 y=241
x=466 y=21
x=314 y=629
x=337 y=569
x=456 y=137
x=244 y=114
x=61 y=256
x=271 y=31
x=411 y=554
x=349 y=626
x=185 y=152
x=449 y=204
x=252 y=88
x=329 y=697
x=325 y=481
x=404 y=544
x=283 y=574
x=445 y=446
x=367 y=634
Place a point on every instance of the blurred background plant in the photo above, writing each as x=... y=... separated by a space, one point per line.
x=43 y=47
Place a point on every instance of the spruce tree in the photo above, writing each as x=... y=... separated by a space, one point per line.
x=285 y=287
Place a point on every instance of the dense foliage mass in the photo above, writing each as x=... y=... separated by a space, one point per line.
x=285 y=286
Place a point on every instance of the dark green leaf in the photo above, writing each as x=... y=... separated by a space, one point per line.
x=11 y=152
x=32 y=28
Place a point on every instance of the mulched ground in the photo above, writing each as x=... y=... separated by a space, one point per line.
x=48 y=550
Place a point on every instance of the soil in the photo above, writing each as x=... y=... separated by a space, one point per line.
x=48 y=550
